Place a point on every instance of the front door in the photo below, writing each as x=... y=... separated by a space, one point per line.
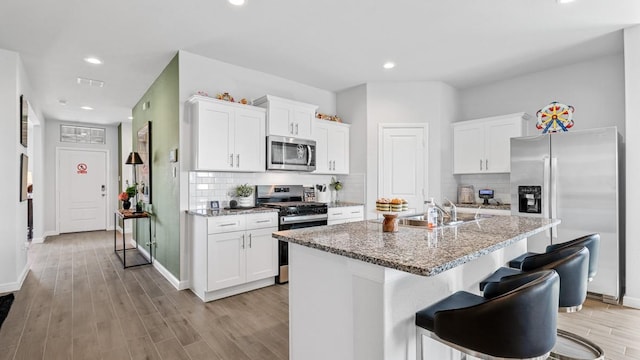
x=82 y=180
x=402 y=164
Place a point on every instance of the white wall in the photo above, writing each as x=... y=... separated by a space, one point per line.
x=595 y=88
x=51 y=142
x=632 y=108
x=13 y=233
x=434 y=103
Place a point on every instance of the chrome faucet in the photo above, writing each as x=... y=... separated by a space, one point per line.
x=453 y=213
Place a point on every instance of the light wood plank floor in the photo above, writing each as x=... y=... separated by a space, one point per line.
x=78 y=303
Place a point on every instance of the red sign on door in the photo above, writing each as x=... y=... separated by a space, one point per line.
x=82 y=168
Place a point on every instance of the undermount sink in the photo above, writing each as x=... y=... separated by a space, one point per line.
x=420 y=220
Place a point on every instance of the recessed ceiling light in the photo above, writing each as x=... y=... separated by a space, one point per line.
x=389 y=65
x=93 y=60
x=237 y=2
x=86 y=108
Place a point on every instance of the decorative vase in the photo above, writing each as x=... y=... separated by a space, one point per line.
x=126 y=204
x=138 y=207
x=245 y=202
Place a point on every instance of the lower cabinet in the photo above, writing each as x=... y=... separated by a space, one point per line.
x=345 y=214
x=232 y=254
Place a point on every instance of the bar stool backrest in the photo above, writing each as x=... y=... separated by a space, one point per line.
x=518 y=321
x=572 y=265
x=591 y=242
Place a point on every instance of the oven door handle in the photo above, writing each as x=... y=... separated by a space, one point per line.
x=301 y=219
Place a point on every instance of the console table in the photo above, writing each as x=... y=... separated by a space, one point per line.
x=136 y=258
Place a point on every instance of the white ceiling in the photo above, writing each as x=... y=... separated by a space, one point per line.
x=329 y=44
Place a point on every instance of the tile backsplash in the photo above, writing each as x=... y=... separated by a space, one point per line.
x=500 y=183
x=220 y=186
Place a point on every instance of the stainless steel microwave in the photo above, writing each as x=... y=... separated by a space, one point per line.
x=286 y=153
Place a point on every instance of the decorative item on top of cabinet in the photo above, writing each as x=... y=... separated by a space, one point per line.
x=227 y=136
x=287 y=117
x=483 y=145
x=332 y=147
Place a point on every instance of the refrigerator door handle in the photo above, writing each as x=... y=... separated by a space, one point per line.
x=546 y=180
x=554 y=193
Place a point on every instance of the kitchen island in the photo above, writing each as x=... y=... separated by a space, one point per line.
x=354 y=290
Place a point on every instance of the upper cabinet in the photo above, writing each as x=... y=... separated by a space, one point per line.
x=483 y=145
x=227 y=136
x=287 y=117
x=332 y=147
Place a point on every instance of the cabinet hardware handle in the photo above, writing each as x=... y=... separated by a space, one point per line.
x=238 y=161
x=228 y=224
x=263 y=221
x=336 y=214
x=355 y=212
x=296 y=128
x=231 y=160
x=249 y=240
x=243 y=241
x=480 y=164
x=486 y=164
x=291 y=131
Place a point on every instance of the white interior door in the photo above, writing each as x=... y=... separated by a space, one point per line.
x=82 y=190
x=402 y=163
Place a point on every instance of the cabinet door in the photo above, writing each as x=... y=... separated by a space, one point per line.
x=249 y=140
x=262 y=254
x=498 y=136
x=226 y=260
x=321 y=136
x=339 y=149
x=280 y=119
x=302 y=118
x=212 y=134
x=468 y=148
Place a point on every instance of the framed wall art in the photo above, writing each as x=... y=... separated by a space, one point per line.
x=24 y=120
x=144 y=171
x=24 y=170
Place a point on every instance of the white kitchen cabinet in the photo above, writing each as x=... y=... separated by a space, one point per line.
x=345 y=214
x=483 y=145
x=332 y=147
x=287 y=117
x=232 y=254
x=227 y=136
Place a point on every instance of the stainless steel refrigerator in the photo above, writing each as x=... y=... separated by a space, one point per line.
x=574 y=176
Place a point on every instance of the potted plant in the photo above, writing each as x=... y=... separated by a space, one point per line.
x=131 y=190
x=124 y=197
x=337 y=186
x=244 y=192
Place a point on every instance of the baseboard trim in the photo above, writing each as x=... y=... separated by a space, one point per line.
x=15 y=286
x=39 y=240
x=46 y=234
x=179 y=285
x=631 y=302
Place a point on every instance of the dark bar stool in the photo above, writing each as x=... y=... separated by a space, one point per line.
x=591 y=241
x=571 y=264
x=516 y=318
x=575 y=269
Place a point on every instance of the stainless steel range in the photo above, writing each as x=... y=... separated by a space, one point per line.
x=293 y=214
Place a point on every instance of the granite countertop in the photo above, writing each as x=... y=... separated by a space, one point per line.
x=418 y=250
x=227 y=212
x=490 y=206
x=342 y=204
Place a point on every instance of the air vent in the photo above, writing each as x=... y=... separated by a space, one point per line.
x=90 y=82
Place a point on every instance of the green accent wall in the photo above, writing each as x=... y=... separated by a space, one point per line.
x=164 y=115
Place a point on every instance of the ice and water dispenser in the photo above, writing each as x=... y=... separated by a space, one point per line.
x=530 y=199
